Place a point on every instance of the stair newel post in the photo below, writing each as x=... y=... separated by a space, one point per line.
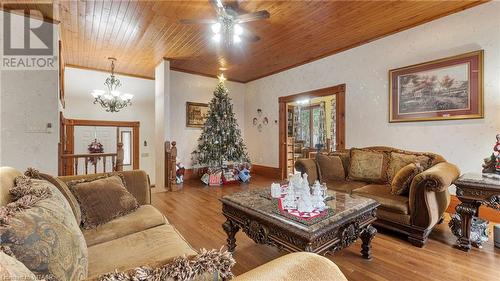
x=120 y=154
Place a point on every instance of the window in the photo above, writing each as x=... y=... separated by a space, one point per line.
x=310 y=125
x=126 y=137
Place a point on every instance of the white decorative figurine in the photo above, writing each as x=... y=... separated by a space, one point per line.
x=275 y=190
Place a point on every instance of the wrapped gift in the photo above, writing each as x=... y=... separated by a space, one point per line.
x=215 y=178
x=205 y=178
x=244 y=175
x=230 y=177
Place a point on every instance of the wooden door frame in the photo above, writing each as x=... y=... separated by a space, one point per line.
x=338 y=91
x=69 y=125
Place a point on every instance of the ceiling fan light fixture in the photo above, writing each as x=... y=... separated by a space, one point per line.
x=236 y=39
x=216 y=37
x=237 y=29
x=216 y=27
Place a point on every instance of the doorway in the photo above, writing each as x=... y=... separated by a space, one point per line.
x=310 y=122
x=113 y=137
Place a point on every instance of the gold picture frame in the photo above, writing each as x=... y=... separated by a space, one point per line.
x=433 y=90
x=196 y=114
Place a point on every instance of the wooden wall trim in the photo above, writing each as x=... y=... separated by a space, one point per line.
x=484 y=212
x=313 y=94
x=270 y=172
x=101 y=123
x=338 y=91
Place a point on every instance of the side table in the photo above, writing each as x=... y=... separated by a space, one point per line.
x=473 y=190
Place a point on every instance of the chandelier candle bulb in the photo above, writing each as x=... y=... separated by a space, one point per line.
x=216 y=27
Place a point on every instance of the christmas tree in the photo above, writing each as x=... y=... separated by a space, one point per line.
x=220 y=139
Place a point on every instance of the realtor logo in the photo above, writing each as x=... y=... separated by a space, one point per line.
x=27 y=39
x=27 y=35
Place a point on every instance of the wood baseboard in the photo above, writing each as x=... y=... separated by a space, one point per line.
x=484 y=212
x=270 y=172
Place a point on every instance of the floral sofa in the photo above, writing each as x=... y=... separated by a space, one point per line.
x=144 y=237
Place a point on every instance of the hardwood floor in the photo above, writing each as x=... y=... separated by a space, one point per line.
x=196 y=212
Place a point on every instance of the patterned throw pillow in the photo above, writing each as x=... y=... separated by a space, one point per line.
x=64 y=189
x=331 y=167
x=368 y=165
x=12 y=269
x=102 y=199
x=401 y=183
x=40 y=230
x=399 y=160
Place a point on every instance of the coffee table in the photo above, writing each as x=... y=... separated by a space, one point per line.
x=257 y=215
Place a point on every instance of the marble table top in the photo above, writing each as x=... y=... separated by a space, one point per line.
x=342 y=204
x=478 y=180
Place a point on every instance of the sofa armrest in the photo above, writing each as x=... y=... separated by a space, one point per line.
x=438 y=177
x=308 y=166
x=136 y=182
x=296 y=266
x=429 y=195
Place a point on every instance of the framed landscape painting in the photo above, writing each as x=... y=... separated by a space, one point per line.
x=445 y=89
x=196 y=114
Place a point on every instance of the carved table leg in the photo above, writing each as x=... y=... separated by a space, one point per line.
x=231 y=229
x=466 y=210
x=367 y=235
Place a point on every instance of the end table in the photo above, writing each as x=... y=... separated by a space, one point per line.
x=473 y=190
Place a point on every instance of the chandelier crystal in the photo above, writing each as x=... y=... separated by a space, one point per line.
x=112 y=100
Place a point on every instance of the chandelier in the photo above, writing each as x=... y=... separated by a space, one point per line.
x=112 y=100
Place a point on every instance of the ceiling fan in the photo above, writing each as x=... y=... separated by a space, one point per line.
x=227 y=26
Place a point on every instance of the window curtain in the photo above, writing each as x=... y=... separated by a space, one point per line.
x=333 y=127
x=297 y=129
x=322 y=124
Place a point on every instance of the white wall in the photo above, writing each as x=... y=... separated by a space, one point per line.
x=186 y=87
x=79 y=105
x=365 y=71
x=28 y=102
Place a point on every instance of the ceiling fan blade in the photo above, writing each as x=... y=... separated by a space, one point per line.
x=218 y=6
x=259 y=15
x=249 y=37
x=198 y=21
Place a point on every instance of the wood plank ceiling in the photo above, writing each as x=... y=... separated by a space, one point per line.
x=140 y=33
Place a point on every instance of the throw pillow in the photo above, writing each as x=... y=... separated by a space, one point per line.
x=102 y=199
x=40 y=230
x=12 y=269
x=399 y=160
x=331 y=167
x=64 y=189
x=368 y=165
x=207 y=265
x=401 y=183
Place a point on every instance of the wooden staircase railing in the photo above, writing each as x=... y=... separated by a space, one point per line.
x=170 y=166
x=70 y=162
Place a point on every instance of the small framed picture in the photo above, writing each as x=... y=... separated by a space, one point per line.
x=445 y=89
x=196 y=114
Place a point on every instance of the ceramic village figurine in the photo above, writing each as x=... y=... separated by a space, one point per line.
x=305 y=203
x=289 y=202
x=275 y=190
